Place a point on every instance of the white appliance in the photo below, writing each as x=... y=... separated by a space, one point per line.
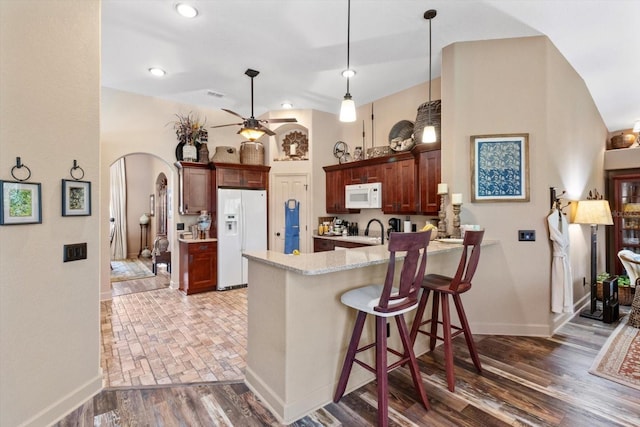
x=242 y=226
x=362 y=196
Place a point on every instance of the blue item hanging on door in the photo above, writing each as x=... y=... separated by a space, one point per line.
x=291 y=226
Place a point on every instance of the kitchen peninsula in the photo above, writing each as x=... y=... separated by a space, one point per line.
x=298 y=330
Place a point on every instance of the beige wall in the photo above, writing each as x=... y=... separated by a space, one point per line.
x=522 y=86
x=49 y=310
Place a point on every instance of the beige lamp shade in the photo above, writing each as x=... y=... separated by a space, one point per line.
x=593 y=212
x=250 y=133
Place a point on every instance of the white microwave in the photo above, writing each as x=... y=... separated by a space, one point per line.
x=363 y=196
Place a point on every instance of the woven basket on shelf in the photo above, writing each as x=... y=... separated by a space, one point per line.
x=225 y=154
x=252 y=153
x=625 y=294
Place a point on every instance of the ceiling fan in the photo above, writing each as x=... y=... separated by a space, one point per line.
x=253 y=128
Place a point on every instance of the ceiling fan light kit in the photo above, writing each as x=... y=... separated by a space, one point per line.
x=348 y=106
x=429 y=132
x=253 y=128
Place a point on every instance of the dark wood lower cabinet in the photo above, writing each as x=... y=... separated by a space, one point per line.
x=198 y=266
x=322 y=245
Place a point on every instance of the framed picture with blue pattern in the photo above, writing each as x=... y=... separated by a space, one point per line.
x=500 y=168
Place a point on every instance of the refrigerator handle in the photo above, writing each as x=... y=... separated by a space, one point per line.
x=243 y=242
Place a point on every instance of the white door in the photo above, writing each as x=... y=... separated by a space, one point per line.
x=283 y=188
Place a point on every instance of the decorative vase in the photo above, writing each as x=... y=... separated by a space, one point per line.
x=144 y=219
x=203 y=153
x=189 y=153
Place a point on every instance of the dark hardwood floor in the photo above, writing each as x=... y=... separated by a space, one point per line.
x=526 y=381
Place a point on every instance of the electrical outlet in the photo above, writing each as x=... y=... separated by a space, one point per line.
x=527 y=235
x=74 y=252
x=180 y=226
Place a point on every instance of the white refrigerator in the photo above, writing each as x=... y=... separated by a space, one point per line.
x=242 y=226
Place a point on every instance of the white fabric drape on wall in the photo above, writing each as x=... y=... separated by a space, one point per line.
x=118 y=209
x=561 y=277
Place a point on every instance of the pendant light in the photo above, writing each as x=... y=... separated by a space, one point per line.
x=348 y=107
x=429 y=132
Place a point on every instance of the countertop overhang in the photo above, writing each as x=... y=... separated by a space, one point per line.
x=310 y=264
x=208 y=239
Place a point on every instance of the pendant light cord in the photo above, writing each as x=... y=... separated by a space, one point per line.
x=429 y=117
x=348 y=39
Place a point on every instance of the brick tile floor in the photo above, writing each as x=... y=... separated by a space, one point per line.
x=165 y=337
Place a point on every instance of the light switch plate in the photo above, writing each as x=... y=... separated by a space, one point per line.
x=527 y=235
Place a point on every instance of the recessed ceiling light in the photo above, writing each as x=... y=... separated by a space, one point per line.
x=348 y=73
x=186 y=10
x=158 y=72
x=287 y=105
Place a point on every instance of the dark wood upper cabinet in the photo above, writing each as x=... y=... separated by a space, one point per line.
x=194 y=190
x=428 y=176
x=409 y=181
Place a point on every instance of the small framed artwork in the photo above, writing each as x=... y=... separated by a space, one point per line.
x=152 y=204
x=500 y=168
x=21 y=203
x=76 y=198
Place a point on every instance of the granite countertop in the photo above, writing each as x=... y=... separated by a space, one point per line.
x=310 y=264
x=365 y=240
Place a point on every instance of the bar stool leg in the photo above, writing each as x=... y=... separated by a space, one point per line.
x=417 y=320
x=350 y=356
x=381 y=371
x=448 y=350
x=413 y=363
x=434 y=322
x=467 y=332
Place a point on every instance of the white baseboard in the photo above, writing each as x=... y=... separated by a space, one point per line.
x=66 y=404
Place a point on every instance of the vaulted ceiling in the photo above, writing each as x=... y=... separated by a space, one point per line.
x=300 y=49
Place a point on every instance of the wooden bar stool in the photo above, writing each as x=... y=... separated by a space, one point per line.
x=383 y=302
x=443 y=287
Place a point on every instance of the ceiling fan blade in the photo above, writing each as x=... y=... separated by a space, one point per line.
x=289 y=120
x=230 y=124
x=266 y=130
x=233 y=112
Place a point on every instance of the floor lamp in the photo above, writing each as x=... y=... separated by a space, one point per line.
x=594 y=213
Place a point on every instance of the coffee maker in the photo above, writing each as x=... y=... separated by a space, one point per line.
x=395 y=225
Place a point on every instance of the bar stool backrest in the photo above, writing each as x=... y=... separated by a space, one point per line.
x=413 y=268
x=468 y=261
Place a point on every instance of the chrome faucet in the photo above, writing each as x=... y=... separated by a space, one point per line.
x=366 y=230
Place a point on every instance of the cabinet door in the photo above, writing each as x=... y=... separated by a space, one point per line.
x=198 y=267
x=626 y=221
x=241 y=178
x=195 y=190
x=202 y=270
x=322 y=245
x=229 y=177
x=335 y=199
x=398 y=188
x=364 y=174
x=428 y=178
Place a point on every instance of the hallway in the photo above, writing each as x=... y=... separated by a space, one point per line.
x=163 y=337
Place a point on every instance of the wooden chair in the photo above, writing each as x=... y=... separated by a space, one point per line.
x=383 y=302
x=443 y=287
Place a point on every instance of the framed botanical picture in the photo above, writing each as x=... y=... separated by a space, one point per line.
x=21 y=203
x=76 y=198
x=500 y=168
